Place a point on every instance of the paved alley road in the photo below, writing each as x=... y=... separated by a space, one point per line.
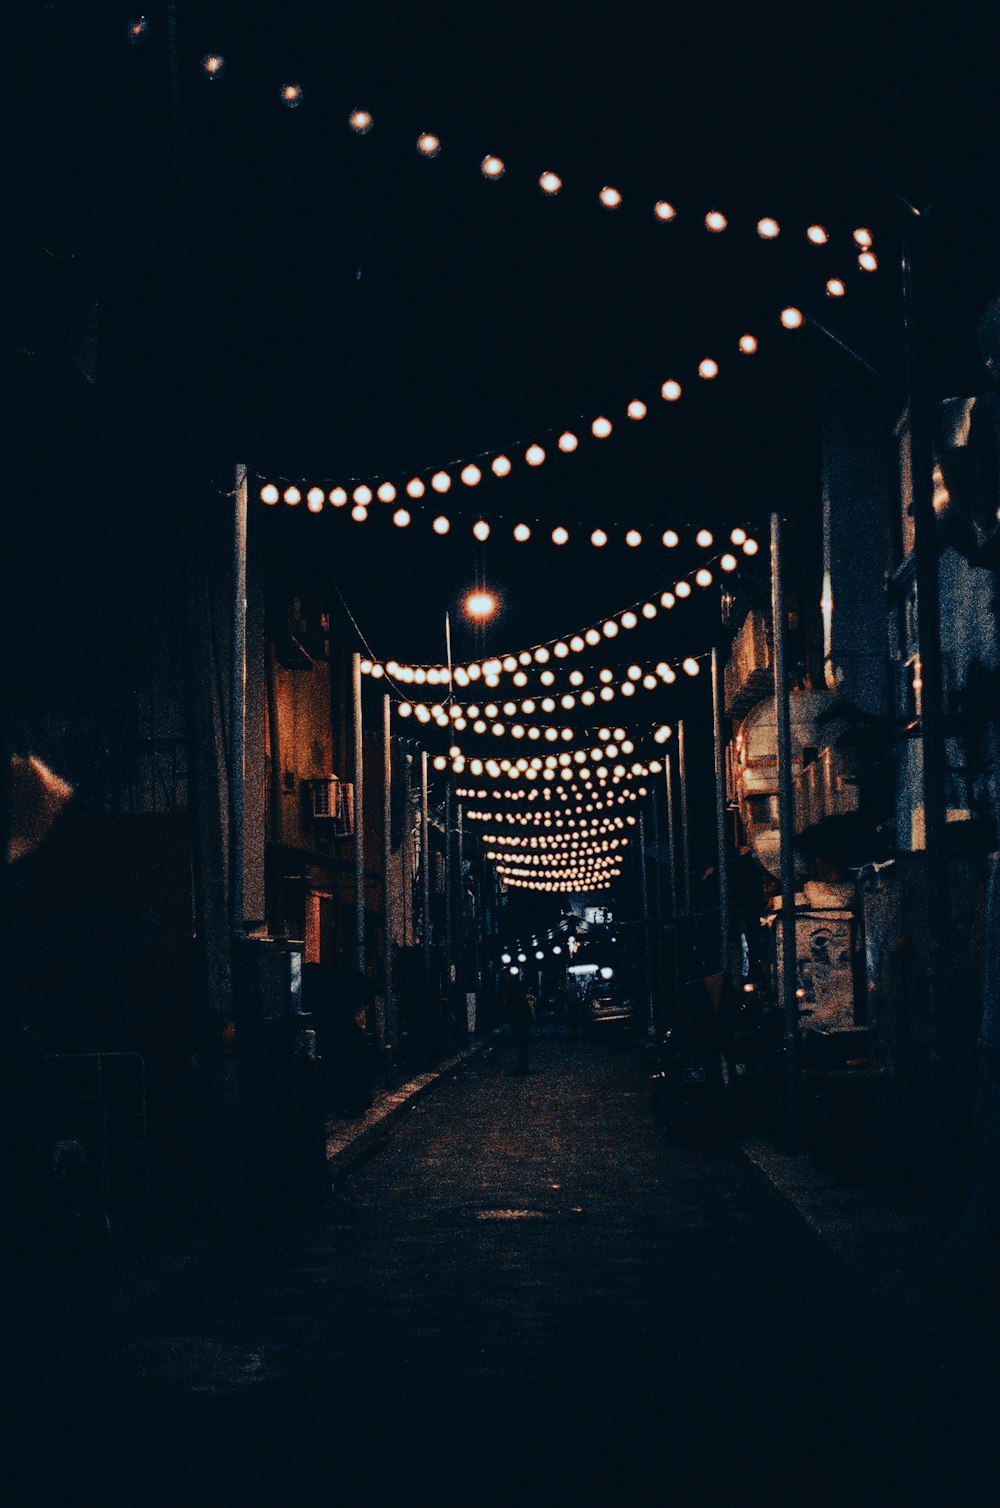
x=532 y=1293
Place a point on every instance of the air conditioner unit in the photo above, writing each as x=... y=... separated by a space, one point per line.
x=332 y=803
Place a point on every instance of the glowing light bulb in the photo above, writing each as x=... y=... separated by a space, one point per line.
x=500 y=466
x=212 y=65
x=386 y=493
x=441 y=525
x=522 y=533
x=550 y=183
x=748 y=344
x=559 y=535
x=671 y=391
x=708 y=369
x=664 y=210
x=703 y=577
x=576 y=644
x=682 y=588
x=363 y=495
x=636 y=409
x=492 y=167
x=868 y=261
x=835 y=288
x=610 y=629
x=629 y=620
x=440 y=481
x=599 y=538
x=360 y=122
x=649 y=610
x=601 y=428
x=715 y=221
x=359 y=513
x=662 y=734
x=667 y=599
x=728 y=562
x=818 y=235
x=291 y=95
x=568 y=442
x=292 y=496
x=610 y=197
x=791 y=318
x=671 y=539
x=592 y=636
x=315 y=498
x=750 y=547
x=862 y=237
x=137 y=31
x=690 y=666
x=768 y=228
x=428 y=145
x=481 y=529
x=534 y=455
x=738 y=536
x=704 y=538
x=269 y=494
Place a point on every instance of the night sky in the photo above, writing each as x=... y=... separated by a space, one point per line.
x=272 y=288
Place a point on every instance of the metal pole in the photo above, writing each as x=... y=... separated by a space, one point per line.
x=658 y=908
x=933 y=746
x=672 y=855
x=238 y=698
x=425 y=860
x=460 y=911
x=447 y=645
x=388 y=908
x=650 y=1025
x=722 y=859
x=359 y=818
x=685 y=843
x=447 y=885
x=786 y=834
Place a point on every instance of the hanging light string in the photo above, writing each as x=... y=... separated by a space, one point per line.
x=528 y=527
x=482 y=720
x=493 y=169
x=490 y=669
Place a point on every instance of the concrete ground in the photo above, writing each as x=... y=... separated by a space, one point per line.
x=530 y=1293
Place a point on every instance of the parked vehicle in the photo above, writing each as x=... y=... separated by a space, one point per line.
x=607 y=1011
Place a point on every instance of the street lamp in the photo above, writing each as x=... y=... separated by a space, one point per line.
x=480 y=605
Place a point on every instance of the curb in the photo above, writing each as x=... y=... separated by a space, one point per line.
x=346 y=1146
x=889 y=1252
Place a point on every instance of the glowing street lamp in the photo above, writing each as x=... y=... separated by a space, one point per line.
x=480 y=605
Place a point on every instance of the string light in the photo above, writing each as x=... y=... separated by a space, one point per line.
x=559 y=535
x=550 y=183
x=471 y=475
x=715 y=221
x=441 y=525
x=601 y=428
x=428 y=145
x=663 y=210
x=748 y=344
x=708 y=369
x=492 y=167
x=568 y=443
x=360 y=122
x=481 y=530
x=291 y=95
x=868 y=261
x=636 y=409
x=671 y=390
x=767 y=228
x=137 y=30
x=818 y=235
x=441 y=481
x=791 y=318
x=415 y=488
x=500 y=466
x=269 y=494
x=534 y=455
x=835 y=288
x=213 y=65
x=610 y=197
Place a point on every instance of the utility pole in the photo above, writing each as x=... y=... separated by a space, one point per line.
x=387 y=905
x=425 y=859
x=650 y=1024
x=658 y=910
x=933 y=747
x=238 y=701
x=447 y=885
x=685 y=843
x=359 y=819
x=722 y=853
x=672 y=876
x=786 y=835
